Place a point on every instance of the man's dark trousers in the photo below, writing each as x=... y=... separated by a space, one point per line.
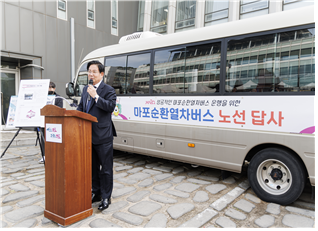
x=102 y=169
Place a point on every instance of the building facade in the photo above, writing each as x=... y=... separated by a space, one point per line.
x=36 y=38
x=173 y=16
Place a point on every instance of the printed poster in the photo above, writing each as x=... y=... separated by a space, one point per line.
x=12 y=111
x=32 y=97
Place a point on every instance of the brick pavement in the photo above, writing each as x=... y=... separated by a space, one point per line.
x=149 y=192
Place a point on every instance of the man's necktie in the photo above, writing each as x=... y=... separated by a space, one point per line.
x=89 y=103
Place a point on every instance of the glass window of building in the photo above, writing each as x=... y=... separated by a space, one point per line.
x=252 y=8
x=159 y=16
x=282 y=62
x=114 y=16
x=115 y=72
x=185 y=15
x=141 y=13
x=216 y=11
x=62 y=9
x=292 y=4
x=91 y=13
x=138 y=71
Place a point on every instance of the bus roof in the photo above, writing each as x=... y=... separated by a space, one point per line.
x=285 y=19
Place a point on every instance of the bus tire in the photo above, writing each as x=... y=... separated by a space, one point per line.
x=276 y=176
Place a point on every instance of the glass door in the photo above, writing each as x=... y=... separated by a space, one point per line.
x=8 y=84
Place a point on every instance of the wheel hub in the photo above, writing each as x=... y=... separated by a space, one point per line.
x=276 y=174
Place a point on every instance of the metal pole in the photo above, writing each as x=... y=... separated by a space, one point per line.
x=72 y=49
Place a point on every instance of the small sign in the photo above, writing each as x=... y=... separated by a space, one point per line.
x=53 y=133
x=11 y=111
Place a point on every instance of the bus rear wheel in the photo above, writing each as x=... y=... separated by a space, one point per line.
x=276 y=176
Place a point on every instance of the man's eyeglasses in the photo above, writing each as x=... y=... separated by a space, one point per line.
x=93 y=72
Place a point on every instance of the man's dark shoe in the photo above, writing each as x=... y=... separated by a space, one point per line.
x=104 y=204
x=96 y=198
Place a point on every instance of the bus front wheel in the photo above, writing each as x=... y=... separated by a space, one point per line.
x=276 y=176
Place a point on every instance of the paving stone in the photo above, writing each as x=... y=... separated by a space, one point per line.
x=120 y=175
x=34 y=178
x=17 y=174
x=162 y=199
x=46 y=221
x=130 y=160
x=162 y=186
x=38 y=183
x=187 y=187
x=30 y=201
x=235 y=214
x=4 y=192
x=8 y=171
x=163 y=168
x=213 y=172
x=135 y=170
x=178 y=179
x=304 y=212
x=194 y=173
x=226 y=199
x=296 y=221
x=273 y=208
x=102 y=223
x=122 y=168
x=26 y=224
x=229 y=180
x=7 y=180
x=127 y=181
x=19 y=187
x=158 y=220
x=113 y=207
x=24 y=213
x=19 y=195
x=8 y=183
x=244 y=184
x=35 y=171
x=209 y=178
x=144 y=208
x=192 y=180
x=302 y=204
x=141 y=162
x=128 y=218
x=8 y=156
x=215 y=188
x=200 y=196
x=177 y=193
x=244 y=205
x=146 y=183
x=35 y=166
x=225 y=222
x=178 y=170
x=115 y=164
x=176 y=211
x=17 y=165
x=5 y=209
x=152 y=165
x=163 y=176
x=265 y=221
x=117 y=185
x=200 y=219
x=139 y=176
x=138 y=196
x=122 y=191
x=151 y=172
x=252 y=198
x=3 y=224
x=32 y=175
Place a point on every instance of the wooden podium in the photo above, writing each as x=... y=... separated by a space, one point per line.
x=68 y=165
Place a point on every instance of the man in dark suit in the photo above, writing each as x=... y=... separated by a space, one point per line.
x=99 y=101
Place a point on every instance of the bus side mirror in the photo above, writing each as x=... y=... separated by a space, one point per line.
x=70 y=89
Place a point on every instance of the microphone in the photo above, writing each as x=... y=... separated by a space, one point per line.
x=90 y=83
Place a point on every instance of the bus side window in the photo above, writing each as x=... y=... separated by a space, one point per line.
x=115 y=72
x=82 y=80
